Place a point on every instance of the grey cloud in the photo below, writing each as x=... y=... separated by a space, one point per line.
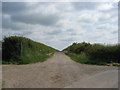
x=68 y=39
x=69 y=30
x=73 y=33
x=85 y=5
x=9 y=9
x=114 y=32
x=23 y=34
x=101 y=27
x=13 y=7
x=55 y=35
x=7 y=23
x=18 y=12
x=36 y=19
x=54 y=32
x=0 y=16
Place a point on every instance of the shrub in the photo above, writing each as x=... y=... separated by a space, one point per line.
x=103 y=53
x=21 y=50
x=77 y=47
x=96 y=53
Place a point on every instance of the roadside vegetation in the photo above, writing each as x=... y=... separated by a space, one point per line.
x=0 y=52
x=96 y=54
x=21 y=50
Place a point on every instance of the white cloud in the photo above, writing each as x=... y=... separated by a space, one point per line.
x=107 y=27
x=104 y=7
x=60 y=24
x=88 y=18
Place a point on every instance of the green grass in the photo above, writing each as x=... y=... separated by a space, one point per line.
x=96 y=54
x=31 y=51
x=84 y=59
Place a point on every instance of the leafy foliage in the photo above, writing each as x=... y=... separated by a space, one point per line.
x=94 y=53
x=77 y=47
x=21 y=50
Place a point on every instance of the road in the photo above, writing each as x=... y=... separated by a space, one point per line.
x=59 y=71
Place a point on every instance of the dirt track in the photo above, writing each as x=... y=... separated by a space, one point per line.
x=58 y=71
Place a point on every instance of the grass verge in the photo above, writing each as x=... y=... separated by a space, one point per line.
x=21 y=50
x=84 y=59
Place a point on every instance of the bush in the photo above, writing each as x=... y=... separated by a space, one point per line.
x=96 y=53
x=21 y=50
x=81 y=58
x=11 y=48
x=77 y=47
x=103 y=53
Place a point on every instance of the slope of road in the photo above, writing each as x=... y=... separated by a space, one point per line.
x=100 y=80
x=59 y=71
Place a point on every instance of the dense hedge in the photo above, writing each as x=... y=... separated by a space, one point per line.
x=0 y=56
x=104 y=53
x=96 y=52
x=77 y=47
x=11 y=48
x=22 y=50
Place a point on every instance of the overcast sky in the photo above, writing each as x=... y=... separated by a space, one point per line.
x=59 y=24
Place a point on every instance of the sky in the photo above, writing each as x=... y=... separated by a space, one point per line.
x=59 y=24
